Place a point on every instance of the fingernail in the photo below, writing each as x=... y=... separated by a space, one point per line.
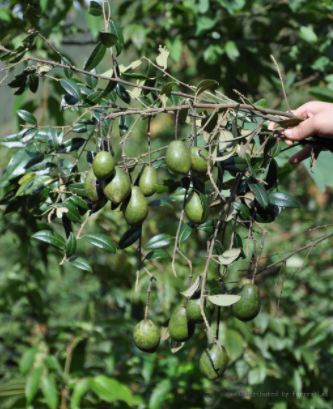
x=288 y=132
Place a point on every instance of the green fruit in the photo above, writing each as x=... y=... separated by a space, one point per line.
x=244 y=281
x=178 y=157
x=248 y=306
x=197 y=208
x=180 y=328
x=193 y=311
x=103 y=165
x=146 y=336
x=213 y=362
x=118 y=187
x=92 y=187
x=136 y=209
x=199 y=165
x=148 y=180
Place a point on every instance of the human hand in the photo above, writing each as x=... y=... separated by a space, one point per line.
x=318 y=121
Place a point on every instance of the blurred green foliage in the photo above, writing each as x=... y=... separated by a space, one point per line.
x=66 y=334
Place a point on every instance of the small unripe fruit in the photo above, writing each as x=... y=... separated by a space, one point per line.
x=213 y=362
x=248 y=307
x=103 y=165
x=193 y=311
x=197 y=208
x=178 y=157
x=146 y=336
x=136 y=209
x=180 y=328
x=92 y=187
x=148 y=180
x=199 y=165
x=117 y=188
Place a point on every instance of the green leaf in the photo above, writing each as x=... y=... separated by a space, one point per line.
x=233 y=345
x=73 y=213
x=123 y=94
x=52 y=363
x=158 y=241
x=91 y=81
x=108 y=39
x=260 y=194
x=185 y=232
x=231 y=50
x=80 y=263
x=115 y=29
x=95 y=57
x=205 y=85
x=32 y=384
x=308 y=34
x=79 y=202
x=205 y=205
x=71 y=87
x=160 y=202
x=209 y=226
x=68 y=72
x=242 y=209
x=95 y=9
x=27 y=117
x=33 y=82
x=129 y=237
x=50 y=392
x=261 y=103
x=27 y=359
x=124 y=124
x=283 y=200
x=81 y=387
x=238 y=242
x=158 y=253
x=224 y=300
x=272 y=174
x=78 y=188
x=257 y=375
x=101 y=241
x=159 y=394
x=235 y=164
x=321 y=93
x=36 y=183
x=71 y=245
x=50 y=237
x=179 y=194
x=167 y=88
x=71 y=145
x=111 y=390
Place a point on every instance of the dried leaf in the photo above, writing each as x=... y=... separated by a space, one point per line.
x=230 y=256
x=223 y=300
x=176 y=346
x=287 y=123
x=193 y=288
x=164 y=331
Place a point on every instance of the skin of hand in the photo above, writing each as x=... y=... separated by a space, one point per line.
x=318 y=121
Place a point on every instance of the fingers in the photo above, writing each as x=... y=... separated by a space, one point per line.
x=311 y=108
x=305 y=129
x=301 y=155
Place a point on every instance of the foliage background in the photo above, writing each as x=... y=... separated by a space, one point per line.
x=79 y=325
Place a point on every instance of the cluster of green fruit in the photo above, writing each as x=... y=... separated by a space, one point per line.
x=214 y=359
x=104 y=179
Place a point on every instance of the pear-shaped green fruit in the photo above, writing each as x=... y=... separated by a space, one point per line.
x=193 y=311
x=180 y=328
x=103 y=165
x=136 y=209
x=213 y=362
x=199 y=165
x=244 y=281
x=146 y=336
x=248 y=306
x=148 y=180
x=118 y=187
x=197 y=208
x=178 y=157
x=92 y=187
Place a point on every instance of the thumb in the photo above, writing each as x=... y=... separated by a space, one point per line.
x=305 y=129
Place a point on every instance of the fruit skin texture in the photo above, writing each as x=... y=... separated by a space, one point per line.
x=103 y=165
x=244 y=281
x=199 y=165
x=136 y=209
x=118 y=188
x=92 y=187
x=178 y=157
x=180 y=328
x=146 y=336
x=148 y=180
x=194 y=209
x=248 y=306
x=193 y=311
x=213 y=362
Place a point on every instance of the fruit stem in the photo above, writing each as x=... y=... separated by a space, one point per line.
x=148 y=293
x=148 y=139
x=218 y=322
